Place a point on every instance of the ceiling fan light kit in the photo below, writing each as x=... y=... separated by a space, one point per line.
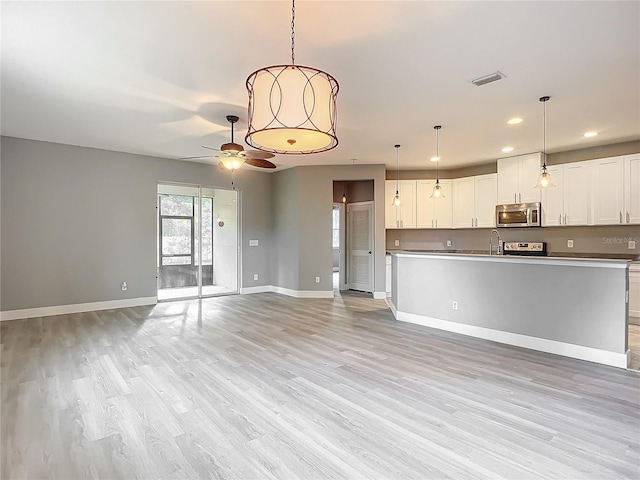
x=292 y=109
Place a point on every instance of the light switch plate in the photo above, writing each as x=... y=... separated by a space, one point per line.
x=253 y=243
x=396 y=243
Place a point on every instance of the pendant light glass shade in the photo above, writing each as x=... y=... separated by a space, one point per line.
x=437 y=191
x=544 y=180
x=292 y=109
x=344 y=194
x=396 y=198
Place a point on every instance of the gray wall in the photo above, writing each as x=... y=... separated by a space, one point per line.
x=77 y=221
x=572 y=304
x=308 y=194
x=285 y=253
x=557 y=158
x=608 y=241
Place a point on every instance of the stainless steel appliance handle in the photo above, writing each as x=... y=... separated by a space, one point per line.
x=528 y=216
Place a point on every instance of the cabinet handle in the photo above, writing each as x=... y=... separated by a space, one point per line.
x=620 y=217
x=560 y=219
x=515 y=198
x=565 y=219
x=432 y=223
x=436 y=223
x=628 y=218
x=519 y=198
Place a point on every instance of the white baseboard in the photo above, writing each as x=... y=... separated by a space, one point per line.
x=379 y=295
x=258 y=289
x=76 y=308
x=590 y=354
x=288 y=291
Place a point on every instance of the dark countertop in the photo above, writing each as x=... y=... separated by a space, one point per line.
x=610 y=256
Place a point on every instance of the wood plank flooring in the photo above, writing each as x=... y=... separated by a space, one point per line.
x=271 y=387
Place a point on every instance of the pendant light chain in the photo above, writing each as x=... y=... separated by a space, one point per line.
x=293 y=32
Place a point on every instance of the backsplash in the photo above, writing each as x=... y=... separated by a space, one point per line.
x=598 y=240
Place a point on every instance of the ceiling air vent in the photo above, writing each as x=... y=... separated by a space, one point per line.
x=493 y=77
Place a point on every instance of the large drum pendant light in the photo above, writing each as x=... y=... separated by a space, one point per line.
x=292 y=109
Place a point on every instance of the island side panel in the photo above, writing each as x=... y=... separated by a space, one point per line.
x=580 y=305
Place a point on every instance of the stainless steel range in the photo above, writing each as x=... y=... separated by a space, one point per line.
x=525 y=248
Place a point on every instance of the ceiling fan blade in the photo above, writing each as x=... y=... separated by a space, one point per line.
x=197 y=156
x=260 y=163
x=211 y=148
x=258 y=154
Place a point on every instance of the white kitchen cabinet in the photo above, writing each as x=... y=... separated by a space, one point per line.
x=518 y=177
x=567 y=202
x=403 y=216
x=632 y=188
x=607 y=191
x=474 y=201
x=434 y=212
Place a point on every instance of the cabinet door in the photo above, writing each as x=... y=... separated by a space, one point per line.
x=576 y=193
x=632 y=188
x=529 y=171
x=407 y=208
x=485 y=200
x=508 y=180
x=390 y=211
x=444 y=205
x=607 y=179
x=425 y=206
x=464 y=202
x=553 y=198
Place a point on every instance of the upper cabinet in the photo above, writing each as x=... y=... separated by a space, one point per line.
x=518 y=177
x=632 y=188
x=434 y=212
x=403 y=216
x=607 y=188
x=567 y=202
x=474 y=200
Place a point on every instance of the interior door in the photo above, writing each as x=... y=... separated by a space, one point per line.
x=360 y=246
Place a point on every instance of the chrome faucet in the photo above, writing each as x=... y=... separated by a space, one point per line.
x=491 y=243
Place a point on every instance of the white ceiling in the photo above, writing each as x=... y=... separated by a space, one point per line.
x=158 y=78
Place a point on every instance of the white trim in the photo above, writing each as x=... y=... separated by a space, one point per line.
x=258 y=289
x=553 y=261
x=392 y=307
x=380 y=295
x=581 y=352
x=76 y=308
x=288 y=291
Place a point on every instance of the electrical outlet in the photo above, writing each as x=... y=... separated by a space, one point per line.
x=317 y=279
x=454 y=305
x=396 y=243
x=124 y=286
x=631 y=244
x=569 y=243
x=449 y=243
x=255 y=276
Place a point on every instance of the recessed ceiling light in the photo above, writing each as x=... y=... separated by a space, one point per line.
x=435 y=159
x=507 y=149
x=514 y=121
x=590 y=134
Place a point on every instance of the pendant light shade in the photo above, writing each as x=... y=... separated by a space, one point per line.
x=544 y=180
x=437 y=188
x=344 y=193
x=292 y=109
x=396 y=198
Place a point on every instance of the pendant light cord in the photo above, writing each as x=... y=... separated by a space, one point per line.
x=397 y=147
x=544 y=101
x=437 y=129
x=293 y=32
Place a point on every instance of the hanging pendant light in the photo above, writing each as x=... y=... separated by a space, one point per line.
x=396 y=198
x=292 y=109
x=544 y=181
x=344 y=193
x=437 y=188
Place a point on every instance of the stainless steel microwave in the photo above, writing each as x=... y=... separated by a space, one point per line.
x=518 y=215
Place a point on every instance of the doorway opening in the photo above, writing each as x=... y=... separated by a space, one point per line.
x=197 y=241
x=353 y=205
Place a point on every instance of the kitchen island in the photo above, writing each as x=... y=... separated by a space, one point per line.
x=574 y=307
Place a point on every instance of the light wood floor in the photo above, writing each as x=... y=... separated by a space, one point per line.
x=266 y=386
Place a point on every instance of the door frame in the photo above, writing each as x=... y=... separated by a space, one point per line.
x=372 y=237
x=342 y=268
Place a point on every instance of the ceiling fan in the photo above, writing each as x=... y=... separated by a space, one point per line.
x=233 y=155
